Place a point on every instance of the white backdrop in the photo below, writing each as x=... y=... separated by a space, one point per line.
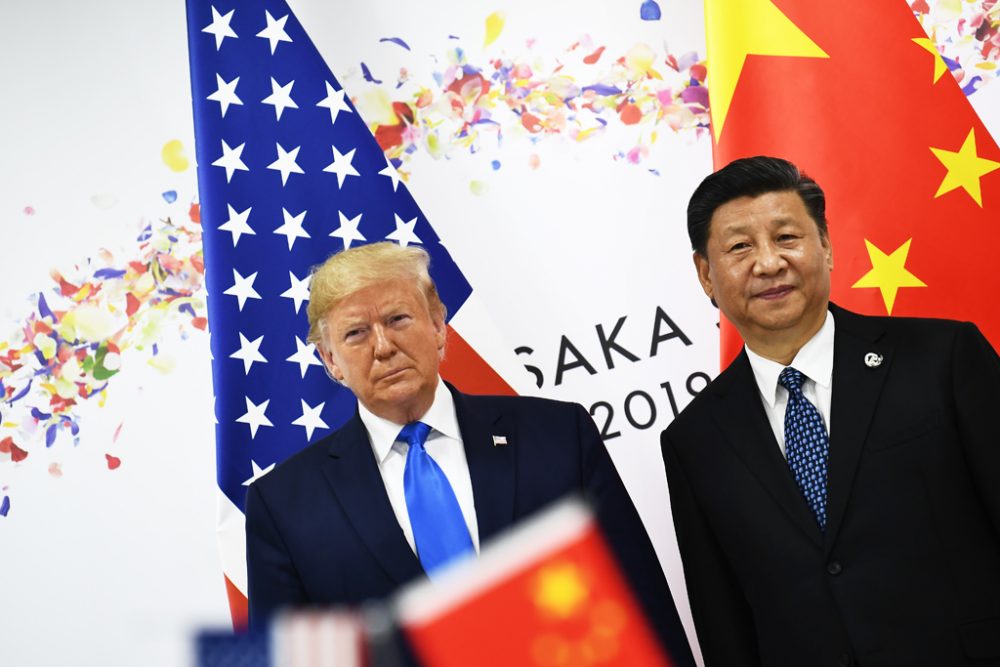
x=105 y=566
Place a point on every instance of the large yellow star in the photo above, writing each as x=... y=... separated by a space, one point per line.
x=736 y=29
x=888 y=273
x=965 y=168
x=939 y=65
x=560 y=589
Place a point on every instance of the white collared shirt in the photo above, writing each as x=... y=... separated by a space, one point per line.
x=444 y=444
x=815 y=362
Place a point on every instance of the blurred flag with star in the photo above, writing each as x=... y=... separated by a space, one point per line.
x=857 y=95
x=288 y=173
x=547 y=594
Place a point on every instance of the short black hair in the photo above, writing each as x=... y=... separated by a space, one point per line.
x=750 y=177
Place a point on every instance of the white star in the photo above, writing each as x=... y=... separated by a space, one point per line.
x=237 y=224
x=280 y=97
x=292 y=227
x=249 y=352
x=310 y=419
x=334 y=101
x=348 y=230
x=299 y=291
x=220 y=27
x=242 y=288
x=225 y=93
x=258 y=472
x=231 y=160
x=286 y=163
x=341 y=165
x=305 y=356
x=391 y=173
x=404 y=234
x=255 y=417
x=275 y=31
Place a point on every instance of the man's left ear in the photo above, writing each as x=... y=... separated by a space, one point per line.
x=829 y=251
x=440 y=333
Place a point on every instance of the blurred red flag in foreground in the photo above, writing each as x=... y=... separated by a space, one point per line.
x=549 y=594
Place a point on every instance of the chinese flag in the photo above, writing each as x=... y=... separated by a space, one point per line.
x=547 y=595
x=857 y=96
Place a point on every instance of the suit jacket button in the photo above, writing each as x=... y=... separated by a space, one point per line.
x=845 y=660
x=834 y=567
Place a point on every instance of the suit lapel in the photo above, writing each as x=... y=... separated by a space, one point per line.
x=353 y=474
x=741 y=417
x=856 y=389
x=491 y=466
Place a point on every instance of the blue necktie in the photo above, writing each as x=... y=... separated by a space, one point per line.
x=807 y=445
x=439 y=529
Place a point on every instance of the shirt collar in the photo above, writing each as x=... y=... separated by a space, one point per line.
x=440 y=417
x=814 y=360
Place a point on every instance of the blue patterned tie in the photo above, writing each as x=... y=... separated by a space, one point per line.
x=439 y=529
x=807 y=445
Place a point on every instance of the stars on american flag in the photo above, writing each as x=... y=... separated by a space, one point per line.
x=404 y=234
x=298 y=292
x=225 y=93
x=249 y=352
x=242 y=288
x=275 y=33
x=305 y=356
x=291 y=228
x=334 y=101
x=231 y=160
x=219 y=27
x=237 y=224
x=348 y=230
x=288 y=173
x=280 y=98
x=342 y=165
x=255 y=416
x=285 y=164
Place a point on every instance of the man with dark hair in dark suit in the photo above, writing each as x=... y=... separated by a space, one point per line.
x=422 y=475
x=835 y=490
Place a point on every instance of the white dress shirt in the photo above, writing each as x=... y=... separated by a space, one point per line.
x=815 y=362
x=445 y=446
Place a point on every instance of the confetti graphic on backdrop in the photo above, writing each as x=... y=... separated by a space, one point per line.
x=966 y=34
x=93 y=320
x=468 y=107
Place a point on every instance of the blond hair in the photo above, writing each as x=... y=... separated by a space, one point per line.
x=348 y=271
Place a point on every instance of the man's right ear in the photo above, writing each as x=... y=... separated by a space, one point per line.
x=332 y=369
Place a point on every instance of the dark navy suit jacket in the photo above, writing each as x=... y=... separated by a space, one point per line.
x=908 y=569
x=320 y=528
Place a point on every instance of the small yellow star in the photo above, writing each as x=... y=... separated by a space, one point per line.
x=888 y=273
x=965 y=168
x=560 y=589
x=739 y=28
x=939 y=65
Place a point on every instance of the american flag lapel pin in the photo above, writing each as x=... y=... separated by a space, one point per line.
x=499 y=441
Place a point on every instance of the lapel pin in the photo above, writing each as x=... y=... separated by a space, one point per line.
x=873 y=360
x=499 y=440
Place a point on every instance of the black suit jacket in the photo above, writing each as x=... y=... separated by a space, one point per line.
x=321 y=530
x=908 y=570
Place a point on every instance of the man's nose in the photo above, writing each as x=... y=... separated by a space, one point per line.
x=384 y=347
x=769 y=260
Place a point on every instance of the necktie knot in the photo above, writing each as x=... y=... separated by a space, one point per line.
x=791 y=379
x=414 y=433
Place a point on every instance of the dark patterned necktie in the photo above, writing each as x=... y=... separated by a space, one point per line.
x=807 y=445
x=439 y=529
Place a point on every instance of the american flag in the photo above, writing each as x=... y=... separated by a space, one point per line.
x=288 y=173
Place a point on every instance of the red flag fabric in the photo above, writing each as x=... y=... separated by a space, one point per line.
x=858 y=97
x=548 y=595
